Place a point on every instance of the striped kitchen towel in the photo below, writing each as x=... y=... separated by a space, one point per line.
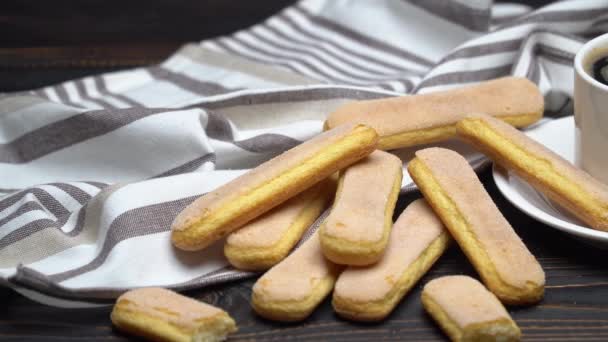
x=93 y=171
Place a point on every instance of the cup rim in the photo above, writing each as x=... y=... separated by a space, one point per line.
x=582 y=53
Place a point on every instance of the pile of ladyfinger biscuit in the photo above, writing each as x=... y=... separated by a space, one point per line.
x=369 y=262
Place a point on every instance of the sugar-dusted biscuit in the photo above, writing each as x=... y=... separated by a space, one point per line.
x=268 y=239
x=229 y=207
x=419 y=119
x=457 y=196
x=163 y=315
x=571 y=187
x=292 y=289
x=370 y=293
x=357 y=229
x=466 y=311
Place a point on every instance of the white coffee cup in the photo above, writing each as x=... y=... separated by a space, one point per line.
x=591 y=111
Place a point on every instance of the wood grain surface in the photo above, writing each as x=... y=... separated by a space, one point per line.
x=575 y=307
x=47 y=42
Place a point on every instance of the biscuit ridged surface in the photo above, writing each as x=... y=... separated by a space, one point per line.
x=267 y=240
x=227 y=208
x=356 y=231
x=163 y=315
x=466 y=311
x=370 y=293
x=292 y=289
x=573 y=188
x=502 y=260
x=421 y=119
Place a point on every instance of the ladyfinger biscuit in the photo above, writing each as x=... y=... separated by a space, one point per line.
x=232 y=205
x=466 y=311
x=163 y=315
x=573 y=188
x=357 y=229
x=292 y=289
x=419 y=119
x=370 y=293
x=502 y=260
x=267 y=240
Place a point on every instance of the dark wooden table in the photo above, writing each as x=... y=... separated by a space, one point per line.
x=575 y=307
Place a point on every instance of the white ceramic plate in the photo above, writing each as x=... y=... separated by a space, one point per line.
x=557 y=135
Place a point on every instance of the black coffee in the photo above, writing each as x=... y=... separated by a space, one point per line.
x=600 y=70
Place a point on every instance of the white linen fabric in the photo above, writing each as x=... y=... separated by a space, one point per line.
x=93 y=171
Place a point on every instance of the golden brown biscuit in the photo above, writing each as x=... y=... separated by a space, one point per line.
x=466 y=311
x=370 y=293
x=223 y=210
x=267 y=240
x=163 y=315
x=357 y=229
x=420 y=119
x=502 y=260
x=292 y=289
x=571 y=187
